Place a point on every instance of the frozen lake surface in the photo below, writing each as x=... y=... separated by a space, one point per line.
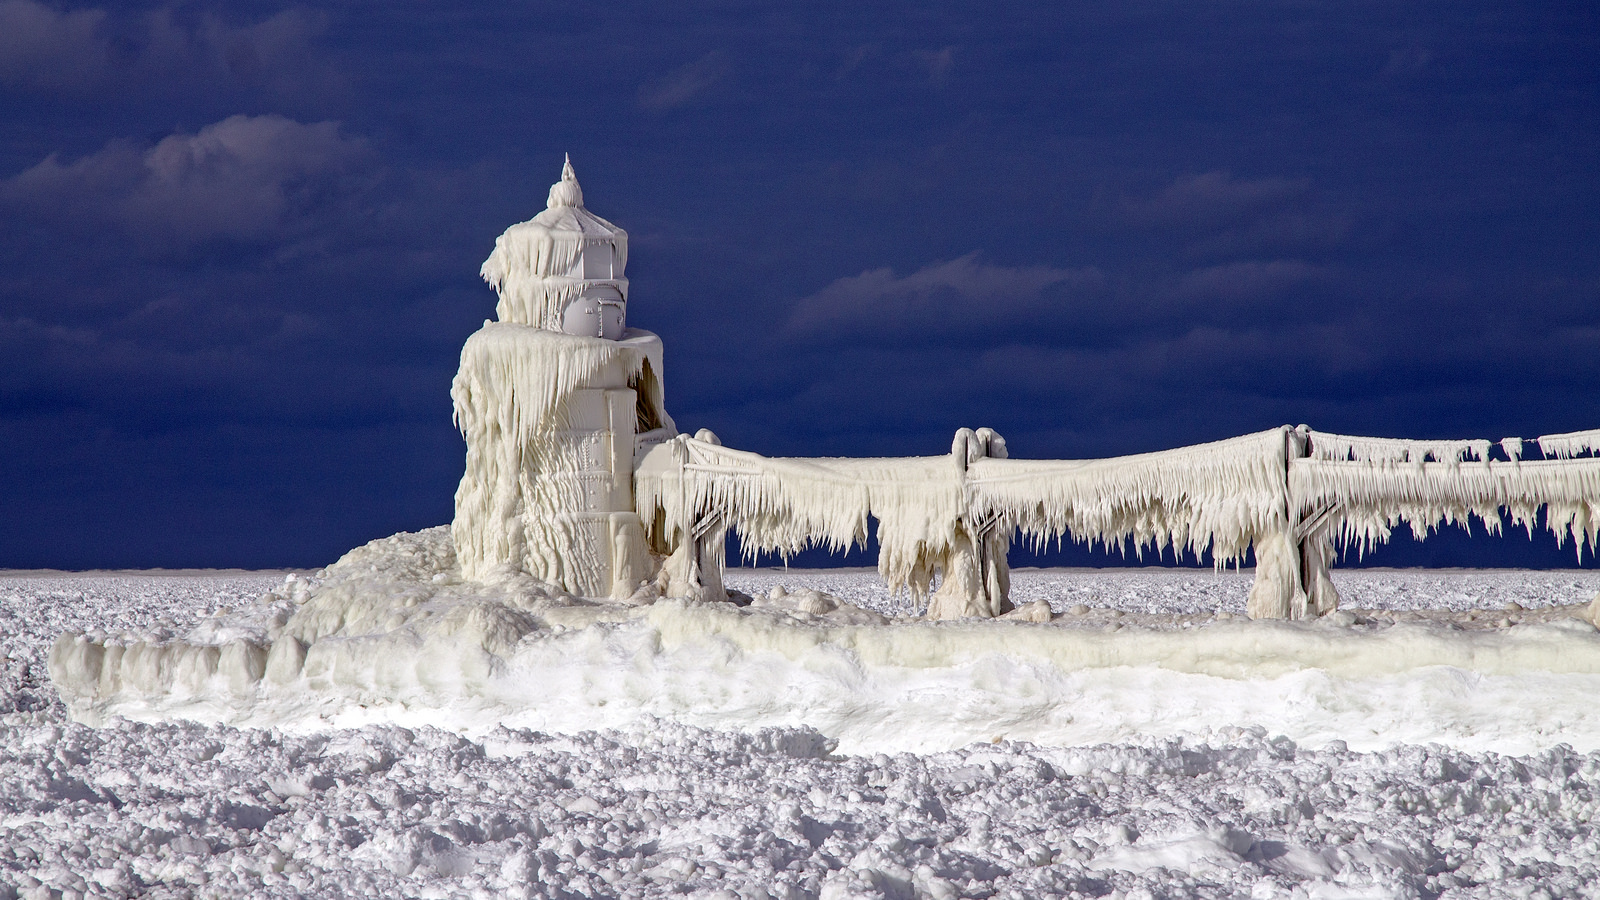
x=659 y=809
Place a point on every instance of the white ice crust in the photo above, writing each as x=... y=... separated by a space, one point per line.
x=664 y=810
x=537 y=266
x=393 y=634
x=1372 y=484
x=526 y=468
x=649 y=510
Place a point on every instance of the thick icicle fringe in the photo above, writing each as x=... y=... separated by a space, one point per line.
x=1215 y=497
x=510 y=396
x=783 y=505
x=535 y=264
x=1340 y=447
x=528 y=297
x=1371 y=497
x=1571 y=444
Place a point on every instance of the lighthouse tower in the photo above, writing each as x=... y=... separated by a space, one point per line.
x=555 y=400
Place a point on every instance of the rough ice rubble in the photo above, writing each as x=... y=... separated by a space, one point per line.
x=665 y=810
x=178 y=809
x=393 y=633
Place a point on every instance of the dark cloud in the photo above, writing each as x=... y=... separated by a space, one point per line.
x=1246 y=283
x=77 y=51
x=239 y=242
x=43 y=48
x=1210 y=199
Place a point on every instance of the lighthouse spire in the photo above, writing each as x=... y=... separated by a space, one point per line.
x=566 y=191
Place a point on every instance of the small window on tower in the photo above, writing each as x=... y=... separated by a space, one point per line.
x=597 y=260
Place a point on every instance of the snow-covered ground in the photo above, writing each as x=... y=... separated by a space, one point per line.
x=660 y=809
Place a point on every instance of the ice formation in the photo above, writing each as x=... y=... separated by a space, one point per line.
x=695 y=486
x=1369 y=487
x=661 y=809
x=576 y=475
x=1291 y=494
x=555 y=400
x=393 y=633
x=1571 y=444
x=541 y=267
x=581 y=582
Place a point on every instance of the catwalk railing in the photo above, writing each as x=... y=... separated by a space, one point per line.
x=1294 y=496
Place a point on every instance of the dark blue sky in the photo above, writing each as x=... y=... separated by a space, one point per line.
x=239 y=242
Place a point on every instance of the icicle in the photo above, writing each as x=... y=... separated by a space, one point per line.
x=1215 y=497
x=1374 y=497
x=1341 y=447
x=1571 y=444
x=511 y=396
x=783 y=506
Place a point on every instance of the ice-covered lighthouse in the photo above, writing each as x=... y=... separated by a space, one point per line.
x=555 y=399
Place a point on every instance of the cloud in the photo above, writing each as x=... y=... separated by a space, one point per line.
x=85 y=50
x=1246 y=281
x=1285 y=231
x=43 y=48
x=683 y=83
x=244 y=179
x=1210 y=199
x=1216 y=215
x=961 y=297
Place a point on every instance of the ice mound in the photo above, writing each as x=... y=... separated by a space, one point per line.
x=392 y=633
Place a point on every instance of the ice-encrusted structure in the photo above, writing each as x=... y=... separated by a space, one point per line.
x=1291 y=494
x=955 y=516
x=554 y=400
x=544 y=267
x=694 y=489
x=576 y=474
x=1367 y=486
x=586 y=556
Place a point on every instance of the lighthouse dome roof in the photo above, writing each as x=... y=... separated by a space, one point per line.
x=550 y=243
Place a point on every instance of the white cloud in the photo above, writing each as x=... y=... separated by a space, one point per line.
x=242 y=179
x=683 y=83
x=951 y=297
x=1210 y=198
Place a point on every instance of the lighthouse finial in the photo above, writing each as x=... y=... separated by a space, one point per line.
x=566 y=191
